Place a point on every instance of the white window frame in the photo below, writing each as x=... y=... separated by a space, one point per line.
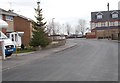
x=9 y=18
x=111 y=23
x=119 y=23
x=99 y=16
x=116 y=23
x=115 y=15
x=103 y=24
x=96 y=24
x=99 y=24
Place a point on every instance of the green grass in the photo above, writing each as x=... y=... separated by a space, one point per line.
x=24 y=50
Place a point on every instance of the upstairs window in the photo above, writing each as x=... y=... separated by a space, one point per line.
x=9 y=18
x=114 y=14
x=99 y=15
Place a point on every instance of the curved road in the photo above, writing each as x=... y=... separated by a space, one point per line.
x=89 y=60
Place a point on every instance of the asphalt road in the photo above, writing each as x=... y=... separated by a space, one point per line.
x=90 y=60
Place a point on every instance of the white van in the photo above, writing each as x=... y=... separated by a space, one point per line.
x=8 y=45
x=16 y=38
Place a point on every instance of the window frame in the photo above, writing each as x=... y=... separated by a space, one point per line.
x=9 y=18
x=115 y=15
x=99 y=16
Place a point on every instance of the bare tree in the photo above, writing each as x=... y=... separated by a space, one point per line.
x=68 y=28
x=53 y=26
x=49 y=28
x=81 y=25
x=57 y=27
x=77 y=29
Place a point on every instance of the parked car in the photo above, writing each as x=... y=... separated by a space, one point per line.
x=8 y=45
x=75 y=36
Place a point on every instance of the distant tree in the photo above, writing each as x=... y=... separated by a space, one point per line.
x=40 y=37
x=49 y=28
x=77 y=29
x=81 y=26
x=56 y=28
x=68 y=28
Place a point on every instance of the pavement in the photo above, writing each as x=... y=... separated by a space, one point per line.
x=23 y=58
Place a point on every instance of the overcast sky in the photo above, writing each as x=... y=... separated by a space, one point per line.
x=64 y=11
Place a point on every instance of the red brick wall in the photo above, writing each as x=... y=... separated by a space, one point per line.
x=91 y=35
x=21 y=24
x=4 y=30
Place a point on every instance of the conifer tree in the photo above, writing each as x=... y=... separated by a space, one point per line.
x=40 y=37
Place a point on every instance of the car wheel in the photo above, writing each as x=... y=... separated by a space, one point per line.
x=7 y=55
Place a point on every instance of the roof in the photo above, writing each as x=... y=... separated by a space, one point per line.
x=10 y=12
x=2 y=11
x=107 y=15
x=29 y=19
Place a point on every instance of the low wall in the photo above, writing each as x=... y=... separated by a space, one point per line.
x=56 y=43
x=90 y=35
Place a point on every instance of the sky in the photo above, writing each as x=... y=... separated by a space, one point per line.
x=64 y=11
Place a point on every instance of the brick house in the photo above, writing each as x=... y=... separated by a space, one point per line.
x=24 y=24
x=106 y=24
x=17 y=23
x=9 y=18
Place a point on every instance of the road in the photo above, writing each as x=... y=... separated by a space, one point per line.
x=89 y=60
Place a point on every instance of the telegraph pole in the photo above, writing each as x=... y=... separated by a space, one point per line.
x=108 y=21
x=53 y=27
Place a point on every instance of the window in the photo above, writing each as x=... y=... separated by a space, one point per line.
x=10 y=18
x=116 y=23
x=0 y=16
x=103 y=24
x=12 y=37
x=114 y=15
x=16 y=37
x=93 y=24
x=7 y=34
x=111 y=23
x=96 y=24
x=99 y=24
x=119 y=24
x=99 y=15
